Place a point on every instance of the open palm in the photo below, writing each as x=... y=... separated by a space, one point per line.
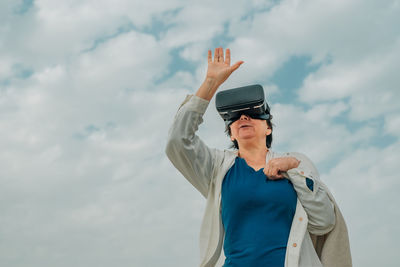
x=220 y=68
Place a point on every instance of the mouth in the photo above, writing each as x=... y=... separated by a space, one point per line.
x=244 y=126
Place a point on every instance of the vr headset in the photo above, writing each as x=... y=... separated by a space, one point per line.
x=248 y=100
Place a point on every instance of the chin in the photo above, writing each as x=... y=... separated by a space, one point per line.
x=247 y=136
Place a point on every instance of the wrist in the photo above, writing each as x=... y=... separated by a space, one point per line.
x=207 y=88
x=211 y=83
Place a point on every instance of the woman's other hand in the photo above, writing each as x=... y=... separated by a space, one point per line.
x=275 y=167
x=219 y=69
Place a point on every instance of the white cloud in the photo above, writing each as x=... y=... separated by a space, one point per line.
x=365 y=183
x=322 y=29
x=129 y=61
x=82 y=160
x=199 y=23
x=311 y=131
x=57 y=32
x=371 y=84
x=392 y=124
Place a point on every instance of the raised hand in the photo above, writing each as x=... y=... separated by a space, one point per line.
x=219 y=69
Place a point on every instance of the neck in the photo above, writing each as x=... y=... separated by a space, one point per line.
x=255 y=154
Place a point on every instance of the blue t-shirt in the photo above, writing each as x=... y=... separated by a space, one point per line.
x=257 y=214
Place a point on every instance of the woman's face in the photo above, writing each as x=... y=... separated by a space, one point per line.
x=248 y=129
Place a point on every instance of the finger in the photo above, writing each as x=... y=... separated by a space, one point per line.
x=209 y=56
x=236 y=65
x=278 y=174
x=268 y=168
x=275 y=171
x=216 y=55
x=228 y=56
x=267 y=172
x=270 y=176
x=271 y=173
x=276 y=177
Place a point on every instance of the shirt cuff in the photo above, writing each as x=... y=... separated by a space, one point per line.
x=302 y=175
x=195 y=103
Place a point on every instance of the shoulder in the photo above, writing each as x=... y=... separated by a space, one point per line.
x=228 y=155
x=226 y=159
x=298 y=155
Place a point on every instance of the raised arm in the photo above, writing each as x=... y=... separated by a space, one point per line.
x=218 y=71
x=187 y=152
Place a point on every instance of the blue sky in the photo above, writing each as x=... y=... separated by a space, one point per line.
x=88 y=90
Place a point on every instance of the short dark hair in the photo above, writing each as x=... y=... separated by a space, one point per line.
x=268 y=137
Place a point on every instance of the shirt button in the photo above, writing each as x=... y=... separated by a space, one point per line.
x=294 y=244
x=302 y=173
x=301 y=219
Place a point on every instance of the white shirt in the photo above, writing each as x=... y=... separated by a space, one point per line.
x=205 y=169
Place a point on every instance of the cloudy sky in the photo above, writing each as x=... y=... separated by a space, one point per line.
x=88 y=90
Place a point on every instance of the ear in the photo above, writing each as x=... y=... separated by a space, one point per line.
x=269 y=131
x=231 y=135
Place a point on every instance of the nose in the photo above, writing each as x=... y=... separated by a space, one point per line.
x=244 y=117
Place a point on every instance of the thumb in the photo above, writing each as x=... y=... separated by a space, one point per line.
x=236 y=65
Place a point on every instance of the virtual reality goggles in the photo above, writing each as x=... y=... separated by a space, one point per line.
x=248 y=100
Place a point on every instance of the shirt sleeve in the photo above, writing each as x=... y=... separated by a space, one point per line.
x=311 y=193
x=187 y=152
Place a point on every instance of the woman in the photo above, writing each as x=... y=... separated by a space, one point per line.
x=263 y=208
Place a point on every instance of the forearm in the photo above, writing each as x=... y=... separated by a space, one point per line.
x=318 y=206
x=187 y=152
x=207 y=89
x=312 y=195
